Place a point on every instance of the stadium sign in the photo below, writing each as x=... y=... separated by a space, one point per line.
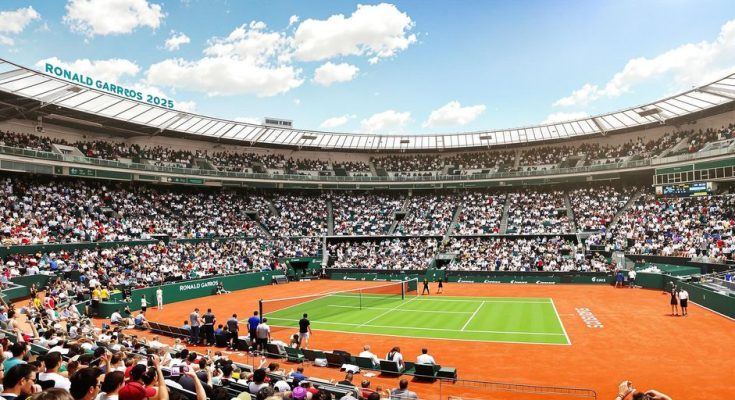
x=192 y=286
x=119 y=90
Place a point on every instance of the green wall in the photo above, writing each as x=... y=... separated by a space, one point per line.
x=186 y=290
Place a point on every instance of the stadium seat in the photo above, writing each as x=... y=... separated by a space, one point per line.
x=294 y=355
x=426 y=371
x=447 y=373
x=186 y=393
x=334 y=360
x=365 y=363
x=390 y=367
x=312 y=355
x=274 y=351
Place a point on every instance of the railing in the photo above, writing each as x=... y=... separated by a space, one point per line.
x=467 y=389
x=287 y=177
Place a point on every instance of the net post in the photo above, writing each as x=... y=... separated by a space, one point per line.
x=260 y=308
x=403 y=289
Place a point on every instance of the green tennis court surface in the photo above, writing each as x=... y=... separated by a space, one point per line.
x=494 y=319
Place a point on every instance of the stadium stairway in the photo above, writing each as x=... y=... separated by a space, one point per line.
x=570 y=210
x=453 y=224
x=330 y=218
x=404 y=210
x=504 y=220
x=637 y=195
x=273 y=209
x=262 y=229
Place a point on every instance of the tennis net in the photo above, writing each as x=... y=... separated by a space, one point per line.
x=331 y=303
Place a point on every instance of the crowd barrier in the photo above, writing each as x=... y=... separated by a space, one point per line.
x=356 y=274
x=185 y=290
x=717 y=302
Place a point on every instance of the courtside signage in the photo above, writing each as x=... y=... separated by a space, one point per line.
x=192 y=286
x=119 y=90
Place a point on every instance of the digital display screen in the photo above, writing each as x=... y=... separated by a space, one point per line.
x=685 y=189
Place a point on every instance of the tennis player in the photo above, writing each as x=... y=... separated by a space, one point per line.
x=441 y=286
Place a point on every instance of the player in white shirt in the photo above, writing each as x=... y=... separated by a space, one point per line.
x=425 y=358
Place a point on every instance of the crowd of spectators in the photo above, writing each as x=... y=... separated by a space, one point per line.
x=28 y=141
x=395 y=254
x=65 y=211
x=298 y=215
x=428 y=214
x=677 y=226
x=546 y=155
x=595 y=207
x=481 y=160
x=482 y=214
x=397 y=165
x=520 y=254
x=151 y=264
x=51 y=350
x=307 y=164
x=408 y=163
x=364 y=214
x=534 y=212
x=354 y=166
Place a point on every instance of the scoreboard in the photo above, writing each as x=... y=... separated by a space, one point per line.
x=685 y=189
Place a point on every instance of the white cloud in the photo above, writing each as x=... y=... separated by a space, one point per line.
x=111 y=17
x=112 y=70
x=564 y=116
x=385 y=121
x=686 y=65
x=185 y=106
x=376 y=31
x=453 y=114
x=330 y=73
x=14 y=22
x=250 y=60
x=331 y=123
x=293 y=19
x=175 y=41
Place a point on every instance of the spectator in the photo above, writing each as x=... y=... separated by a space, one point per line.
x=85 y=384
x=52 y=361
x=402 y=393
x=19 y=381
x=425 y=358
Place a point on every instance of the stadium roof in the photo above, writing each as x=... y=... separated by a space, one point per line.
x=25 y=90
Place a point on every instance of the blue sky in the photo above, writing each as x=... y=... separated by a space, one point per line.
x=412 y=67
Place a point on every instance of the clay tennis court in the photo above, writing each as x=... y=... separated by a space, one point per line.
x=686 y=358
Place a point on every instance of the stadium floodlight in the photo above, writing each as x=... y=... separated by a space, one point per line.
x=307 y=137
x=405 y=141
x=486 y=137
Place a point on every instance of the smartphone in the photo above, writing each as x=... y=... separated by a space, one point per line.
x=177 y=370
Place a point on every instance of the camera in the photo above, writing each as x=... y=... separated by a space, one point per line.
x=177 y=370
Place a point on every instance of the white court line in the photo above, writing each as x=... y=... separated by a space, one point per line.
x=421 y=329
x=389 y=310
x=402 y=309
x=560 y=323
x=490 y=300
x=432 y=338
x=472 y=316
